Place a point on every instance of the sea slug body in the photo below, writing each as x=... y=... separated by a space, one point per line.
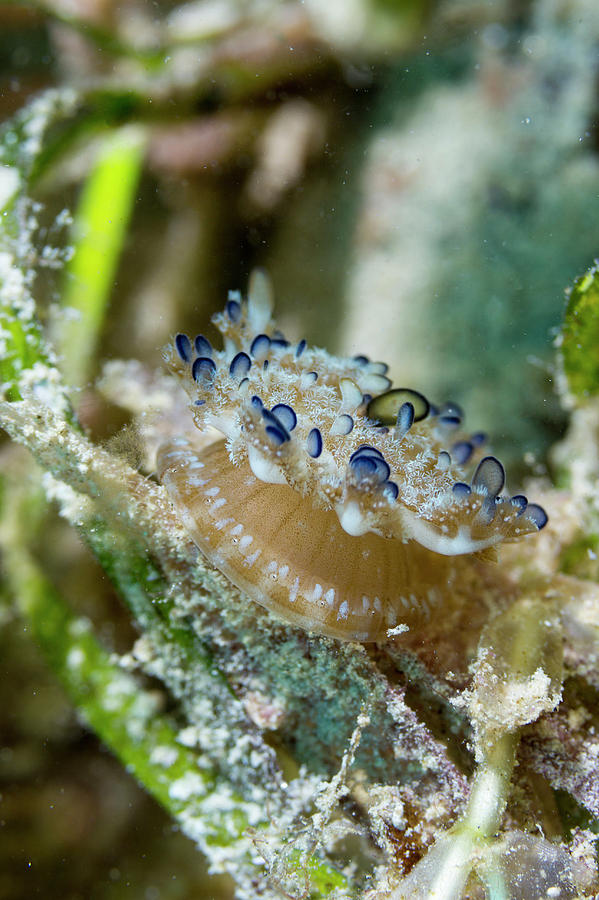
x=335 y=501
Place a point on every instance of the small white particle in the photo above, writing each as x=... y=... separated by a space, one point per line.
x=191 y=784
x=80 y=625
x=188 y=736
x=343 y=610
x=164 y=756
x=245 y=541
x=75 y=658
x=317 y=592
x=330 y=596
x=399 y=629
x=283 y=571
x=365 y=603
x=9 y=184
x=236 y=530
x=218 y=503
x=212 y=492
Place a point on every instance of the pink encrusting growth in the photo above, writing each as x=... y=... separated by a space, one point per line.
x=342 y=504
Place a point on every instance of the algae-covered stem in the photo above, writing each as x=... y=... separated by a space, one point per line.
x=518 y=676
x=111 y=700
x=442 y=874
x=196 y=790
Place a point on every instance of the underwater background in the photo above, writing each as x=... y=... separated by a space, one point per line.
x=421 y=181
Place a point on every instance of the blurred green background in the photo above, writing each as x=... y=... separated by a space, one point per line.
x=421 y=180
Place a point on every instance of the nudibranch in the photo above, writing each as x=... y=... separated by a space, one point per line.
x=336 y=501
